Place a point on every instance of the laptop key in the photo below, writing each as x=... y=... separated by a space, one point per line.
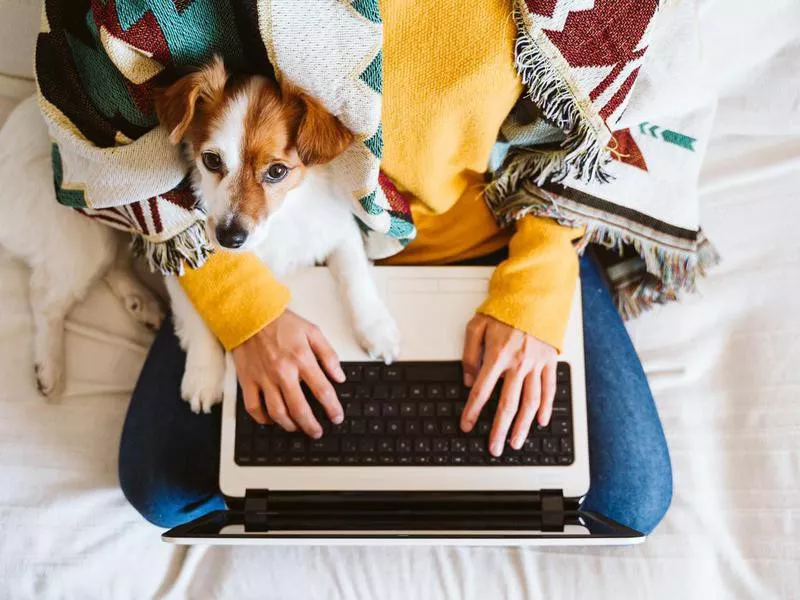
x=366 y=446
x=375 y=426
x=560 y=426
x=408 y=409
x=391 y=373
x=550 y=445
x=444 y=409
x=404 y=445
x=449 y=427
x=352 y=409
x=386 y=460
x=349 y=446
x=440 y=459
x=350 y=460
x=435 y=392
x=566 y=445
x=390 y=409
x=458 y=445
x=426 y=409
x=363 y=392
x=279 y=444
x=371 y=409
x=452 y=391
x=394 y=426
x=458 y=460
x=372 y=373
x=333 y=459
x=380 y=392
x=385 y=445
x=261 y=447
x=353 y=373
x=422 y=445
x=399 y=392
x=477 y=446
x=416 y=391
x=297 y=445
x=413 y=427
x=441 y=445
x=422 y=459
x=345 y=392
x=358 y=426
x=404 y=460
x=429 y=427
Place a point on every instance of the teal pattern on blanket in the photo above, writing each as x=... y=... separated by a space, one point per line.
x=194 y=30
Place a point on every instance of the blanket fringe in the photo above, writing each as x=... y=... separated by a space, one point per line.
x=665 y=272
x=582 y=152
x=170 y=257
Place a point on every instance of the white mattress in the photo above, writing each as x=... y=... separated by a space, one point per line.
x=723 y=365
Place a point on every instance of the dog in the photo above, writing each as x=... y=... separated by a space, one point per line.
x=261 y=154
x=66 y=252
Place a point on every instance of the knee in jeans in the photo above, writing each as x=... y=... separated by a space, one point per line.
x=655 y=494
x=150 y=500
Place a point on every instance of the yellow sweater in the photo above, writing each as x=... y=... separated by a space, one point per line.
x=449 y=82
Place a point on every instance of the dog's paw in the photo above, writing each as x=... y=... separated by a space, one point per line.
x=49 y=378
x=379 y=336
x=145 y=308
x=202 y=385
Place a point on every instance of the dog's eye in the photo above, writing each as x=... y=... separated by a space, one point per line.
x=276 y=173
x=212 y=161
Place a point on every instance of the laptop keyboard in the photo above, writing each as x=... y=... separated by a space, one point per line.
x=405 y=414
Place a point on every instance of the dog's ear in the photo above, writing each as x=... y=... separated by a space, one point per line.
x=321 y=137
x=176 y=104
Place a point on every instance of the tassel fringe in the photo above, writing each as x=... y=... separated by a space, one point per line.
x=170 y=257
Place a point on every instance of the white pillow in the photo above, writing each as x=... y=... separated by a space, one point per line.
x=19 y=25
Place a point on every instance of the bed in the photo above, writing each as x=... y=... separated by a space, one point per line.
x=724 y=366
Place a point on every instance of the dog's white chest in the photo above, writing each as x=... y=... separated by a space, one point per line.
x=305 y=231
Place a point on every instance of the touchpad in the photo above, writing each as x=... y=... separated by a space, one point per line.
x=432 y=313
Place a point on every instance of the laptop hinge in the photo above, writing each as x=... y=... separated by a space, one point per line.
x=546 y=510
x=256 y=510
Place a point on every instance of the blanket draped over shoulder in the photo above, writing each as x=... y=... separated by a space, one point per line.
x=565 y=152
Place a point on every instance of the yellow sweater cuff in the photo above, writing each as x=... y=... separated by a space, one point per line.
x=236 y=295
x=532 y=291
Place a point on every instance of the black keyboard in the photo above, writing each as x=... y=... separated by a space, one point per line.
x=405 y=414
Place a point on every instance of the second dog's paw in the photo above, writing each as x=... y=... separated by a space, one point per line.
x=380 y=338
x=145 y=309
x=49 y=378
x=202 y=386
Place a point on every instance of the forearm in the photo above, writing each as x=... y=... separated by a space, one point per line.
x=533 y=289
x=236 y=295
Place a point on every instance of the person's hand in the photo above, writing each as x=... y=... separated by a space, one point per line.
x=528 y=366
x=275 y=360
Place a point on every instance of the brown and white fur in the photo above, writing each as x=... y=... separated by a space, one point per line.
x=65 y=251
x=261 y=154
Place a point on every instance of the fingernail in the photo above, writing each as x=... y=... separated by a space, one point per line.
x=317 y=434
x=338 y=418
x=467 y=426
x=468 y=380
x=516 y=444
x=497 y=448
x=340 y=376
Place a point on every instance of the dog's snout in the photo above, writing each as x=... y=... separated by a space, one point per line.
x=232 y=235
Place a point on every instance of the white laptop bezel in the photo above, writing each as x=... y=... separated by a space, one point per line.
x=572 y=479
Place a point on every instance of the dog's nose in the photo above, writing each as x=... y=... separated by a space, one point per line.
x=232 y=235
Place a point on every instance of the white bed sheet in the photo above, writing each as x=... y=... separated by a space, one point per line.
x=723 y=365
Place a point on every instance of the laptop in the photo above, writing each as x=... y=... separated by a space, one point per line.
x=399 y=470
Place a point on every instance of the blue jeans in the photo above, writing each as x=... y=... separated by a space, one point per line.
x=169 y=457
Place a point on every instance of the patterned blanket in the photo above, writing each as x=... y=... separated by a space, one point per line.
x=98 y=61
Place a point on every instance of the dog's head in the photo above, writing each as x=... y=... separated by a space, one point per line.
x=251 y=141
